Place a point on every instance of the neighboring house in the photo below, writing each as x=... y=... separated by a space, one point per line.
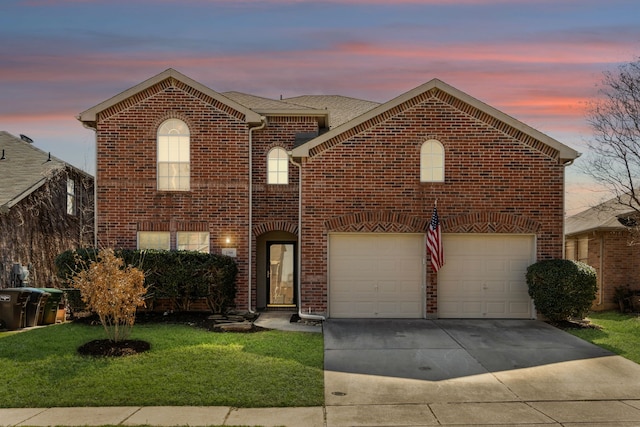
x=603 y=237
x=325 y=201
x=46 y=207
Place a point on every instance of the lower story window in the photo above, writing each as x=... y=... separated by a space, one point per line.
x=154 y=240
x=193 y=241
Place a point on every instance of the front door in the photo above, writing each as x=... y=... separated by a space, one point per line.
x=281 y=273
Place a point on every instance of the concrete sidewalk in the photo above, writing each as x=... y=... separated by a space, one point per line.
x=163 y=416
x=602 y=413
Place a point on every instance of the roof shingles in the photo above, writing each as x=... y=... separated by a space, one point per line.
x=24 y=169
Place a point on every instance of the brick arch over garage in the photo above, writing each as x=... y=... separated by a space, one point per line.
x=266 y=227
x=489 y=222
x=377 y=222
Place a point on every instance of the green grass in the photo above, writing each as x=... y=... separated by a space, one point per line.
x=185 y=366
x=619 y=333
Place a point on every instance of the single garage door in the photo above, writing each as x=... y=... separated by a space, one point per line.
x=484 y=276
x=376 y=275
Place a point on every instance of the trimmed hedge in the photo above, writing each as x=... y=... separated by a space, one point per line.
x=562 y=288
x=181 y=276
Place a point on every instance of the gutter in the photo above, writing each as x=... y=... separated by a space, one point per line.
x=262 y=125
x=304 y=316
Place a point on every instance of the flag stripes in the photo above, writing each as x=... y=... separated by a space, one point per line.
x=434 y=241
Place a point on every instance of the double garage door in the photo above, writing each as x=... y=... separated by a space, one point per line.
x=382 y=275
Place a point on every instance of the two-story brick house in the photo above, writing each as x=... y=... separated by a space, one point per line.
x=325 y=200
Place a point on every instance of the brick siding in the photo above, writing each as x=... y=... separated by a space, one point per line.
x=497 y=180
x=370 y=181
x=615 y=259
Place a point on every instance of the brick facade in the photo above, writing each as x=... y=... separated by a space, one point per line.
x=613 y=256
x=369 y=181
x=127 y=197
x=498 y=179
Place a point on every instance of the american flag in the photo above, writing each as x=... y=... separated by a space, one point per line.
x=434 y=242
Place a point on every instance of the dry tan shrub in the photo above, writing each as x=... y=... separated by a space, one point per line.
x=113 y=291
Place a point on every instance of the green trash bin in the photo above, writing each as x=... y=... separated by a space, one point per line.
x=35 y=307
x=13 y=305
x=51 y=306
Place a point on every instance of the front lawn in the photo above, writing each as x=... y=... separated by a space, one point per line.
x=619 y=333
x=185 y=366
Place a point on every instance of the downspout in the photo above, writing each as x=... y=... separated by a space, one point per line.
x=250 y=233
x=304 y=316
x=601 y=284
x=564 y=208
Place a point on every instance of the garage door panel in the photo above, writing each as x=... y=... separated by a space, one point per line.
x=496 y=287
x=519 y=264
x=470 y=308
x=520 y=307
x=496 y=266
x=384 y=269
x=486 y=276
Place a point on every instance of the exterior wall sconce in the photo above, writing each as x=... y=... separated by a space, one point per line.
x=232 y=252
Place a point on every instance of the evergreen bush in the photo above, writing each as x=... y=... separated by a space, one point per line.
x=181 y=276
x=562 y=288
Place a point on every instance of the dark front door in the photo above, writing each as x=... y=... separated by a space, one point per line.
x=281 y=273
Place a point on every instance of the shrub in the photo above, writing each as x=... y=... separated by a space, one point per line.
x=113 y=291
x=562 y=288
x=181 y=276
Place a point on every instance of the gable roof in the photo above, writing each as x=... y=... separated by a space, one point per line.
x=272 y=107
x=601 y=217
x=565 y=153
x=341 y=108
x=88 y=117
x=24 y=169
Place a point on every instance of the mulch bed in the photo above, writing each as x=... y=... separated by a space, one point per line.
x=108 y=348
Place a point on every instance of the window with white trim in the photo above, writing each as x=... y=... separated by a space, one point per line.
x=71 y=197
x=173 y=156
x=277 y=166
x=432 y=161
x=193 y=241
x=154 y=240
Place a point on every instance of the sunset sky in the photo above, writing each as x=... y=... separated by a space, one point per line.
x=537 y=60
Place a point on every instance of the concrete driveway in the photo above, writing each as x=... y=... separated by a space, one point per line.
x=472 y=372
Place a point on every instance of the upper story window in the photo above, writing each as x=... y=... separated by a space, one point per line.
x=71 y=197
x=432 y=161
x=277 y=166
x=173 y=156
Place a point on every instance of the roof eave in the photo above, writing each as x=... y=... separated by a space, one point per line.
x=566 y=154
x=89 y=117
x=26 y=193
x=594 y=229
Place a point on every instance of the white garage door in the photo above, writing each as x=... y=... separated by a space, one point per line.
x=376 y=275
x=484 y=276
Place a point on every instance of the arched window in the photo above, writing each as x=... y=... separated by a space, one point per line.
x=173 y=156
x=277 y=166
x=432 y=161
